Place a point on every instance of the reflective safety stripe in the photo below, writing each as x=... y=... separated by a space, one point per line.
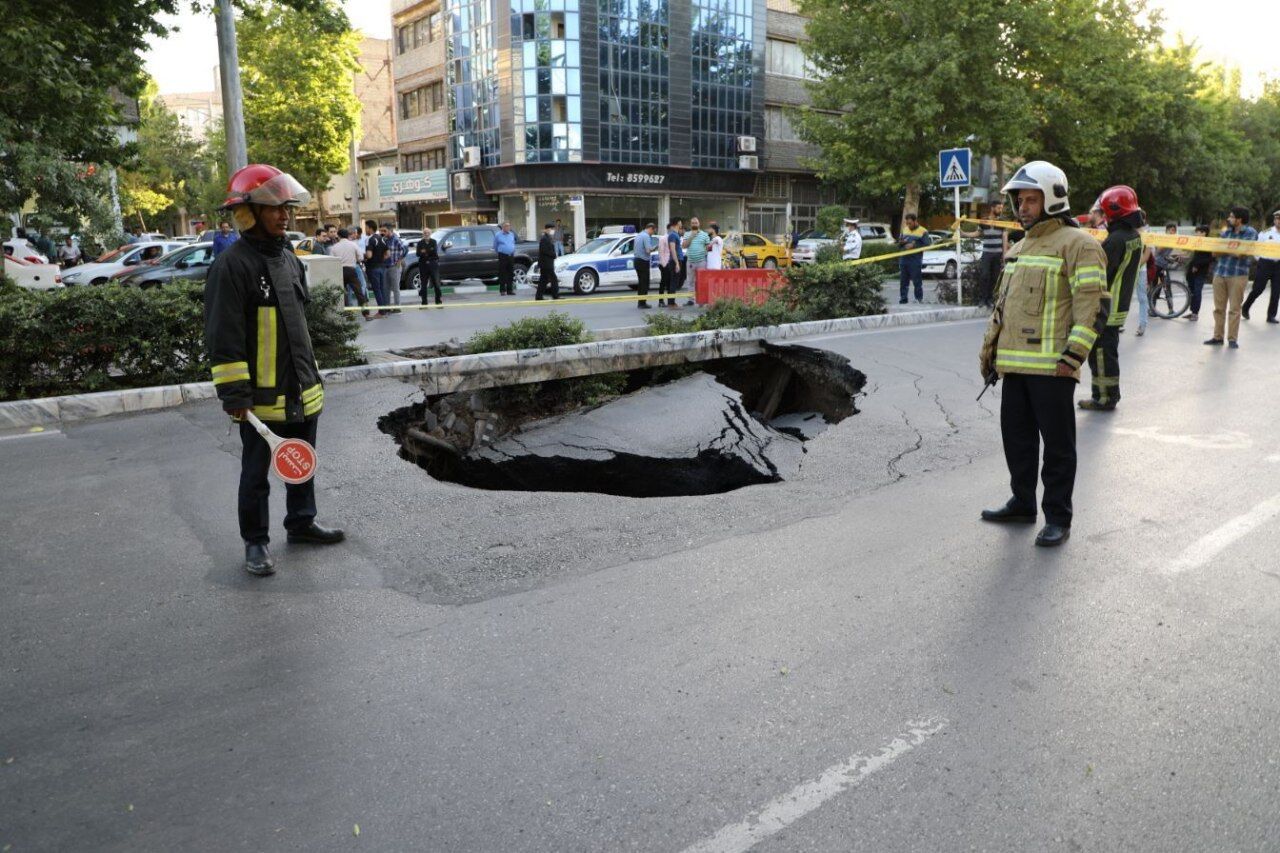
x=312 y=400
x=1026 y=357
x=1091 y=274
x=1040 y=261
x=266 y=347
x=1117 y=318
x=1082 y=335
x=273 y=412
x=231 y=371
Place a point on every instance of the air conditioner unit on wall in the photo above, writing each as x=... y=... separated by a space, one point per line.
x=749 y=162
x=461 y=182
x=471 y=157
x=747 y=144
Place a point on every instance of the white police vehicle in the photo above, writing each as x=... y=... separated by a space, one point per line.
x=607 y=261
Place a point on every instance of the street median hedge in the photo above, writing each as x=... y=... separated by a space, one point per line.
x=83 y=339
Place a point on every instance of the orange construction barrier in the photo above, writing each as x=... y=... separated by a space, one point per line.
x=751 y=286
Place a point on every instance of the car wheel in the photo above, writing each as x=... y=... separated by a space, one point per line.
x=770 y=264
x=950 y=271
x=415 y=279
x=586 y=281
x=520 y=276
x=99 y=281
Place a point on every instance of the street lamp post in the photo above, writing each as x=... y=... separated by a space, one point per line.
x=232 y=97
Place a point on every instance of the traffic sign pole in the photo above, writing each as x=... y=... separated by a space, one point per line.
x=959 y=255
x=955 y=169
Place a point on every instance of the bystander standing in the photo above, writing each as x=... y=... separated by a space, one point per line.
x=645 y=244
x=222 y=240
x=1267 y=272
x=1199 y=268
x=695 y=246
x=1229 y=279
x=396 y=250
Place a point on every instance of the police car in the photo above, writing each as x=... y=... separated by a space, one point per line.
x=606 y=261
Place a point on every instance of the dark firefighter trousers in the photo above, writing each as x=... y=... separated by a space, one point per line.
x=255 y=488
x=1034 y=408
x=1104 y=364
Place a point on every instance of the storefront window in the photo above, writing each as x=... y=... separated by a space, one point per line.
x=725 y=212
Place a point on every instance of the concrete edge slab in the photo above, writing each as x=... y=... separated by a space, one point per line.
x=616 y=349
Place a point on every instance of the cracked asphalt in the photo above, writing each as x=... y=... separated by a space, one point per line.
x=478 y=670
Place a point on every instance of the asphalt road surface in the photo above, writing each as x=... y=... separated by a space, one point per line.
x=466 y=314
x=848 y=660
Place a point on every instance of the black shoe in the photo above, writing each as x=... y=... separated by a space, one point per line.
x=1272 y=320
x=1052 y=535
x=902 y=302
x=1096 y=406
x=644 y=305
x=1010 y=513
x=1233 y=345
x=257 y=561
x=1213 y=342
x=1244 y=312
x=317 y=535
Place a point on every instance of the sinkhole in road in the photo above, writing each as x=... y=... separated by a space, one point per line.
x=697 y=429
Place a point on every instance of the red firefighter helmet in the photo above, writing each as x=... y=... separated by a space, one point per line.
x=259 y=183
x=1118 y=202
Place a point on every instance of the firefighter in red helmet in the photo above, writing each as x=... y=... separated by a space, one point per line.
x=258 y=343
x=1123 y=247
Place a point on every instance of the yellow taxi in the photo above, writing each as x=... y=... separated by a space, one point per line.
x=305 y=246
x=758 y=251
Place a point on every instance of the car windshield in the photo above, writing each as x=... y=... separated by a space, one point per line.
x=438 y=234
x=596 y=246
x=817 y=235
x=174 y=256
x=113 y=255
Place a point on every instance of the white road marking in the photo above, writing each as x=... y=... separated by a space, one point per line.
x=781 y=812
x=35 y=433
x=1218 y=540
x=1226 y=440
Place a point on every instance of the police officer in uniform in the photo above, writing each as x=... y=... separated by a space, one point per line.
x=257 y=338
x=547 y=279
x=1123 y=248
x=1052 y=305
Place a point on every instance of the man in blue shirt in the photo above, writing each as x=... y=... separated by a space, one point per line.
x=1229 y=278
x=504 y=243
x=224 y=238
x=645 y=245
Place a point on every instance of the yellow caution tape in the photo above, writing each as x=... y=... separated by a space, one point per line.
x=1186 y=242
x=892 y=255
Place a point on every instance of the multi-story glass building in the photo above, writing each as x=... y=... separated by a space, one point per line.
x=614 y=112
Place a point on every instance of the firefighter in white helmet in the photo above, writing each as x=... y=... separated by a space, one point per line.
x=1052 y=305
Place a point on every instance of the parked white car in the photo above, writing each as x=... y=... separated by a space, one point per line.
x=806 y=251
x=606 y=261
x=23 y=249
x=943 y=261
x=32 y=275
x=101 y=270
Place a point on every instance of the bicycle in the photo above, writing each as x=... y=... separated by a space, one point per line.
x=1167 y=298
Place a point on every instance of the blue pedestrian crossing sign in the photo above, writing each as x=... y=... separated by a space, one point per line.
x=953 y=167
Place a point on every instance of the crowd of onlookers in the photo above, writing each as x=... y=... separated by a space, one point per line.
x=372 y=263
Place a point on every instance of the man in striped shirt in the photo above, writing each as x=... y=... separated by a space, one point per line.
x=992 y=259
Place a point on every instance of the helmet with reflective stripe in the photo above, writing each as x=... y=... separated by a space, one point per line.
x=1118 y=202
x=1043 y=176
x=259 y=183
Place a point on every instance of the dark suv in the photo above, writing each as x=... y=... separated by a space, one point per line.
x=466 y=251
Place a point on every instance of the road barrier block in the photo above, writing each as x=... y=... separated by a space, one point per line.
x=751 y=286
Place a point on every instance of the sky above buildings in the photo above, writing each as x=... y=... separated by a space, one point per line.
x=1241 y=33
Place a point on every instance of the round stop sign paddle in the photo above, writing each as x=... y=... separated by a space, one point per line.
x=292 y=459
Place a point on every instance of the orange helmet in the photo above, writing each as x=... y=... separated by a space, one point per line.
x=259 y=183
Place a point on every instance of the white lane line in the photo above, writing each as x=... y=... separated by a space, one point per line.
x=1226 y=440
x=1218 y=540
x=781 y=812
x=34 y=433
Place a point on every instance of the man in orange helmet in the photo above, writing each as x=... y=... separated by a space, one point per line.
x=258 y=342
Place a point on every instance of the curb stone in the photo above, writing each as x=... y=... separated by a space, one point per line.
x=616 y=349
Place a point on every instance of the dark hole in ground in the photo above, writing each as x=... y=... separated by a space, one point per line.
x=690 y=430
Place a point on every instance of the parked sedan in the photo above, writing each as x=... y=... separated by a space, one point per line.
x=132 y=255
x=189 y=262
x=943 y=261
x=759 y=251
x=607 y=261
x=32 y=275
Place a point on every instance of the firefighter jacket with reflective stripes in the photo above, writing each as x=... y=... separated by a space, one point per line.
x=1123 y=248
x=256 y=333
x=1053 y=302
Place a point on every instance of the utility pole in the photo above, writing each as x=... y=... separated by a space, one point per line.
x=232 y=97
x=355 y=181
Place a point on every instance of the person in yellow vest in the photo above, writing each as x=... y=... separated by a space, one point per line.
x=260 y=348
x=1052 y=305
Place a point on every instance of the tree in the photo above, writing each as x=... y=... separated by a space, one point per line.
x=300 y=108
x=903 y=78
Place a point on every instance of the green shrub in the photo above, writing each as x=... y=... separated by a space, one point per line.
x=554 y=330
x=84 y=339
x=828 y=291
x=736 y=314
x=669 y=324
x=831 y=253
x=830 y=219
x=947 y=287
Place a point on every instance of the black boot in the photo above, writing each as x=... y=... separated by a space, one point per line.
x=257 y=560
x=1010 y=513
x=1052 y=535
x=317 y=535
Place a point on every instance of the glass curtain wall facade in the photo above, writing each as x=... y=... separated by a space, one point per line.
x=546 y=53
x=723 y=78
x=635 y=97
x=471 y=63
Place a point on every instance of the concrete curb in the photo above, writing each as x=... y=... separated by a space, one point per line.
x=623 y=349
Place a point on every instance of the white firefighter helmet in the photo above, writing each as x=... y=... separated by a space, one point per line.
x=1043 y=176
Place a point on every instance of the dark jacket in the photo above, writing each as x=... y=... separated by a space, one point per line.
x=1200 y=264
x=427 y=250
x=546 y=250
x=1123 y=248
x=256 y=334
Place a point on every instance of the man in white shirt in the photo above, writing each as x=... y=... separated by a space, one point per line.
x=851 y=242
x=346 y=251
x=1266 y=272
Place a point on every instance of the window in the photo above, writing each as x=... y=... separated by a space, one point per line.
x=421 y=101
x=752 y=240
x=777 y=126
x=460 y=239
x=546 y=62
x=423 y=161
x=787 y=59
x=722 y=81
x=634 y=103
x=419 y=32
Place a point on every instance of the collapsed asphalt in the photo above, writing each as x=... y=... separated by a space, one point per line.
x=482 y=670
